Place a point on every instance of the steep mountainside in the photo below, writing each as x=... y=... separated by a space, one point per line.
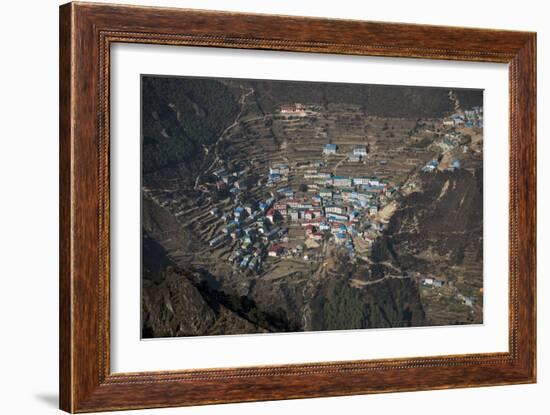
x=177 y=302
x=175 y=307
x=195 y=301
x=378 y=100
x=439 y=220
x=439 y=231
x=179 y=115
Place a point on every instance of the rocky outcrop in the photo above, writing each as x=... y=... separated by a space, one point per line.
x=175 y=307
x=439 y=224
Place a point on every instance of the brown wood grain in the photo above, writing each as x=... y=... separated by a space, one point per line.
x=65 y=247
x=86 y=33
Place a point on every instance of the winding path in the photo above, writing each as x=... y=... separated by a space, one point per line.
x=242 y=100
x=379 y=280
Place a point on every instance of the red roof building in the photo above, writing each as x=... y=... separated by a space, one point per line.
x=275 y=250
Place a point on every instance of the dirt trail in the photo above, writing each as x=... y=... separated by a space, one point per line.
x=338 y=165
x=242 y=100
x=360 y=283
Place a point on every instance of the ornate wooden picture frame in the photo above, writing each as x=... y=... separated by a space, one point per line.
x=87 y=32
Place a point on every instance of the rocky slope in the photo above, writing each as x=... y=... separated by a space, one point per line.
x=439 y=231
x=175 y=307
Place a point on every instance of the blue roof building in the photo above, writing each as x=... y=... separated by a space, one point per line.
x=329 y=149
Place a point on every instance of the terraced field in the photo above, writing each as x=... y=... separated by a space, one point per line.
x=294 y=293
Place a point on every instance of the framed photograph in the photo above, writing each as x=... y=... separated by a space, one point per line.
x=260 y=207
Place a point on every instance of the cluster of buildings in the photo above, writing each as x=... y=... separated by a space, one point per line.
x=235 y=182
x=432 y=165
x=470 y=118
x=278 y=173
x=251 y=233
x=338 y=209
x=340 y=206
x=297 y=109
x=334 y=209
x=340 y=213
x=452 y=139
x=433 y=282
x=358 y=153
